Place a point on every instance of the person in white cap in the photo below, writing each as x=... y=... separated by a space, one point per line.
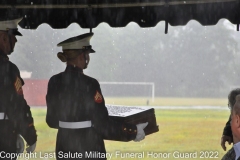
x=15 y=115
x=76 y=107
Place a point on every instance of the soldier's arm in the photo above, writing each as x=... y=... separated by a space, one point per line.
x=105 y=126
x=51 y=99
x=17 y=109
x=29 y=134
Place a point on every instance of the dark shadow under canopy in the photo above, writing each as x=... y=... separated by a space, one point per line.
x=118 y=13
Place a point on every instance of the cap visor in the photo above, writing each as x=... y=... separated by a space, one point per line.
x=17 y=33
x=92 y=51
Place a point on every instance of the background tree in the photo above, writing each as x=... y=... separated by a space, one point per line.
x=189 y=61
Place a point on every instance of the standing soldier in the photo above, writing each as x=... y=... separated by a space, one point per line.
x=76 y=107
x=15 y=115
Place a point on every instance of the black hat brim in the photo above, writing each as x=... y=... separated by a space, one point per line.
x=14 y=32
x=17 y=33
x=92 y=51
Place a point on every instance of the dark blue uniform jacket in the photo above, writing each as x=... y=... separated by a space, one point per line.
x=17 y=115
x=75 y=97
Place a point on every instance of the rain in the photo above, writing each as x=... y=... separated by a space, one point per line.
x=165 y=71
x=183 y=63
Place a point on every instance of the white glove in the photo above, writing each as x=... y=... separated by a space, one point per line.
x=31 y=148
x=140 y=132
x=20 y=144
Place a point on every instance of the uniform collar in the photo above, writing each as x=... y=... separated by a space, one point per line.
x=3 y=56
x=71 y=68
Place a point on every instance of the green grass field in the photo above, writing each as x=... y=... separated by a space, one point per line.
x=167 y=101
x=181 y=132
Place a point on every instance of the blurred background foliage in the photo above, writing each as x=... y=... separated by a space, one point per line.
x=189 y=61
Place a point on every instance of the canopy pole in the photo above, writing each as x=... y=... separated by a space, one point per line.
x=166 y=27
x=167 y=17
x=90 y=29
x=238 y=16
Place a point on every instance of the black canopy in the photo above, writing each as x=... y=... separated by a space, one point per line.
x=118 y=13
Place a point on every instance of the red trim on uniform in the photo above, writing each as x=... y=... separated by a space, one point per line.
x=18 y=86
x=98 y=97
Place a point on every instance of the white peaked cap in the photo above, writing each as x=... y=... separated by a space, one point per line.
x=78 y=42
x=7 y=25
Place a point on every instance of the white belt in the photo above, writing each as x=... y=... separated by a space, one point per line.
x=2 y=116
x=75 y=125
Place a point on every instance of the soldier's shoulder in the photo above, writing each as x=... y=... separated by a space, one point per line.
x=55 y=77
x=13 y=66
x=10 y=72
x=90 y=79
x=9 y=69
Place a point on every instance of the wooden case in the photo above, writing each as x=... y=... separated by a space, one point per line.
x=134 y=115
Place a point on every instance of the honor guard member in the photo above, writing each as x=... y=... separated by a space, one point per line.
x=76 y=107
x=15 y=116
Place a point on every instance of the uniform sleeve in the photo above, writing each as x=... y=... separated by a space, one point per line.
x=105 y=126
x=16 y=107
x=51 y=98
x=227 y=131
